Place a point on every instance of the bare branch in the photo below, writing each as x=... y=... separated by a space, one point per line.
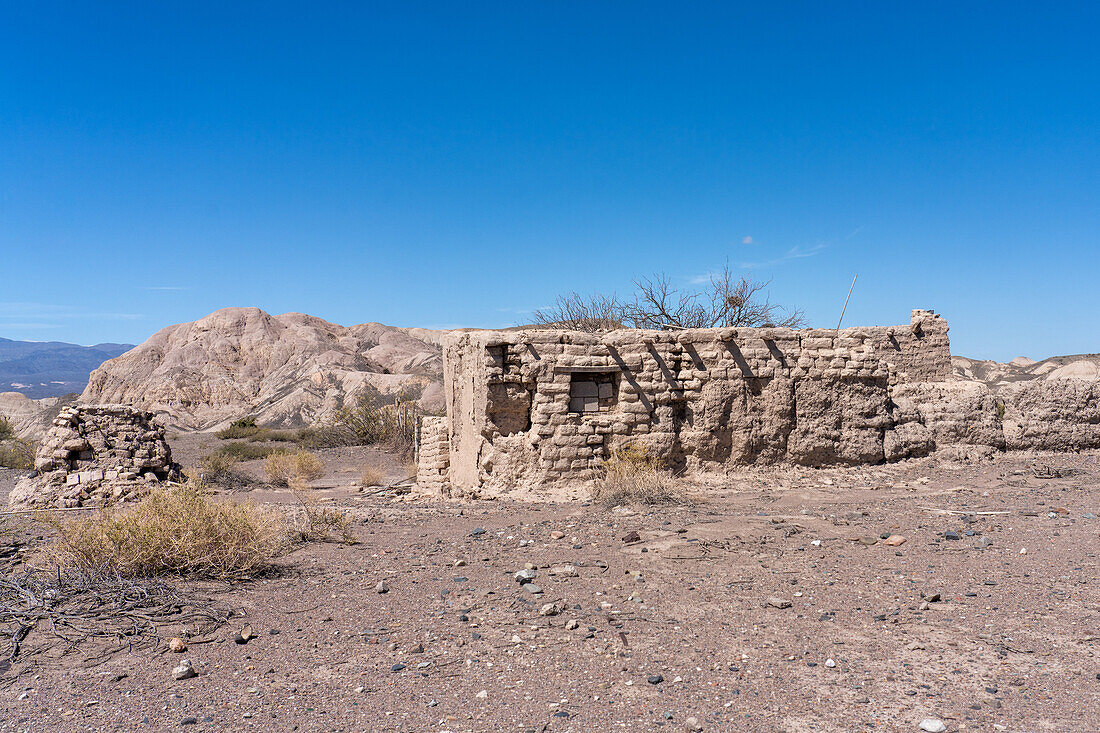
x=576 y=312
x=725 y=300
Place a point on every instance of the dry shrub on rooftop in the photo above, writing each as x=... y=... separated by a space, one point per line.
x=283 y=469
x=178 y=530
x=723 y=298
x=632 y=475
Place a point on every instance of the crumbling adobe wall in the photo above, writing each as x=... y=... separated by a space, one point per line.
x=95 y=455
x=536 y=408
x=1059 y=415
x=433 y=456
x=529 y=408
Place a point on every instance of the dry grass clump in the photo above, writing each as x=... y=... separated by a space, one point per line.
x=318 y=523
x=284 y=468
x=631 y=475
x=16 y=453
x=221 y=468
x=371 y=477
x=175 y=531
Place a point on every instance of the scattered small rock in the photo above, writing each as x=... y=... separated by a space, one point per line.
x=184 y=671
x=525 y=576
x=931 y=725
x=775 y=602
x=655 y=679
x=177 y=645
x=894 y=540
x=550 y=609
x=382 y=587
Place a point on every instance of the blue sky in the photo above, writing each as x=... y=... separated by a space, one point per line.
x=445 y=164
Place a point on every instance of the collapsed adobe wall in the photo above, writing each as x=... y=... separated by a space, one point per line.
x=545 y=407
x=433 y=455
x=539 y=407
x=96 y=455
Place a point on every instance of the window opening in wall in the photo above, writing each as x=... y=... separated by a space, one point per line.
x=593 y=391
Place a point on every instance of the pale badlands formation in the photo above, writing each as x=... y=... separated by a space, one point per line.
x=1021 y=369
x=285 y=370
x=30 y=418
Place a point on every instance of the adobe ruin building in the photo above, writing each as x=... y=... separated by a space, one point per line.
x=539 y=407
x=96 y=455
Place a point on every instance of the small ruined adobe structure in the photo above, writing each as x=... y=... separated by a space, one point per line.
x=536 y=407
x=96 y=455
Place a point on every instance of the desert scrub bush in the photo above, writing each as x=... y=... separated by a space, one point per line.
x=368 y=419
x=221 y=469
x=248 y=451
x=241 y=428
x=16 y=453
x=282 y=469
x=371 y=477
x=247 y=429
x=632 y=475
x=318 y=523
x=7 y=431
x=179 y=530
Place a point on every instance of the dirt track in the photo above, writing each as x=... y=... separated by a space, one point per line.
x=1012 y=642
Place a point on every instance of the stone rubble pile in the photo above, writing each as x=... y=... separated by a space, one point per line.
x=96 y=455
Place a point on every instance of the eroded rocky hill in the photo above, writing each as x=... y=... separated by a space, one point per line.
x=284 y=370
x=1021 y=369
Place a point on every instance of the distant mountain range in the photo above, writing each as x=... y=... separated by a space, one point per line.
x=51 y=368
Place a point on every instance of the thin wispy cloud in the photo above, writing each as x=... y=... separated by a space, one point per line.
x=797 y=252
x=518 y=311
x=746 y=240
x=51 y=312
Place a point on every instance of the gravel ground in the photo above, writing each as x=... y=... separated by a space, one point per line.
x=674 y=626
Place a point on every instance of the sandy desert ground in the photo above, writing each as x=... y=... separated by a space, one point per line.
x=774 y=604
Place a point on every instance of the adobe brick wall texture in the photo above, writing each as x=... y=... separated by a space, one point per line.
x=538 y=408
